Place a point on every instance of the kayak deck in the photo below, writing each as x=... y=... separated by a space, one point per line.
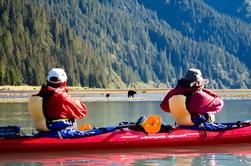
x=126 y=138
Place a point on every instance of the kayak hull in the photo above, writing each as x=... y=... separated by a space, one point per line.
x=125 y=139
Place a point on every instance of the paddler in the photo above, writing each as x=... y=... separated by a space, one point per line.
x=58 y=107
x=190 y=102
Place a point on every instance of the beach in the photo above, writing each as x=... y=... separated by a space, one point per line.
x=21 y=94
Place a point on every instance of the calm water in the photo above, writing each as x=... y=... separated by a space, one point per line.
x=111 y=113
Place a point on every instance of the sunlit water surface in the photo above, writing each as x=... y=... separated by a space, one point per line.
x=109 y=113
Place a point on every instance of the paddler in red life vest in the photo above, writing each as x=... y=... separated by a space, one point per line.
x=190 y=103
x=58 y=107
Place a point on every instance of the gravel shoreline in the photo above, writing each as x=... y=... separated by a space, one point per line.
x=18 y=95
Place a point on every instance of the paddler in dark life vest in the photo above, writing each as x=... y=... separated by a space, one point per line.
x=53 y=108
x=190 y=103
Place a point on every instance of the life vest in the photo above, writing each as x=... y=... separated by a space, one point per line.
x=209 y=103
x=35 y=108
x=177 y=105
x=53 y=108
x=164 y=105
x=58 y=104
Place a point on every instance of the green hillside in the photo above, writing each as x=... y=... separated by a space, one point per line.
x=118 y=44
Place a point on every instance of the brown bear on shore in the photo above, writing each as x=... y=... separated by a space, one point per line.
x=131 y=93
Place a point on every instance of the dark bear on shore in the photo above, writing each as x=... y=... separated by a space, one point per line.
x=131 y=93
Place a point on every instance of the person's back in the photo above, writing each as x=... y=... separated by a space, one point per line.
x=58 y=104
x=59 y=108
x=198 y=101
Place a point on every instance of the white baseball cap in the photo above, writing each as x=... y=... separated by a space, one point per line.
x=56 y=75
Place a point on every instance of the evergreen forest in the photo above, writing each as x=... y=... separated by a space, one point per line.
x=125 y=43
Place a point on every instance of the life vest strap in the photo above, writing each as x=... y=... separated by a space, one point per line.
x=59 y=124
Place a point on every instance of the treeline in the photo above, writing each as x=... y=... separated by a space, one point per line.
x=240 y=9
x=117 y=43
x=33 y=41
x=200 y=22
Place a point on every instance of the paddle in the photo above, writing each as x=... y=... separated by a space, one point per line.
x=244 y=123
x=151 y=124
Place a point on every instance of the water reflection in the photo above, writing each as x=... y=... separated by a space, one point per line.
x=156 y=157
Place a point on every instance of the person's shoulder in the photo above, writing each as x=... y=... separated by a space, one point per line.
x=43 y=88
x=199 y=92
x=198 y=95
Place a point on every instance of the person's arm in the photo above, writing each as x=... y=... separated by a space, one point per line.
x=203 y=102
x=78 y=109
x=164 y=105
x=81 y=109
x=211 y=93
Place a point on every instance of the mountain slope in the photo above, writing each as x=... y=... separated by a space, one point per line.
x=198 y=21
x=33 y=42
x=137 y=23
x=240 y=9
x=117 y=43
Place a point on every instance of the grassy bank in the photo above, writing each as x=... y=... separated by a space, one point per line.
x=21 y=94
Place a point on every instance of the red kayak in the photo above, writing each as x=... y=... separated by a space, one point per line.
x=126 y=138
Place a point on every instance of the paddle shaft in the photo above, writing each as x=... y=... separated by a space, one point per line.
x=126 y=126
